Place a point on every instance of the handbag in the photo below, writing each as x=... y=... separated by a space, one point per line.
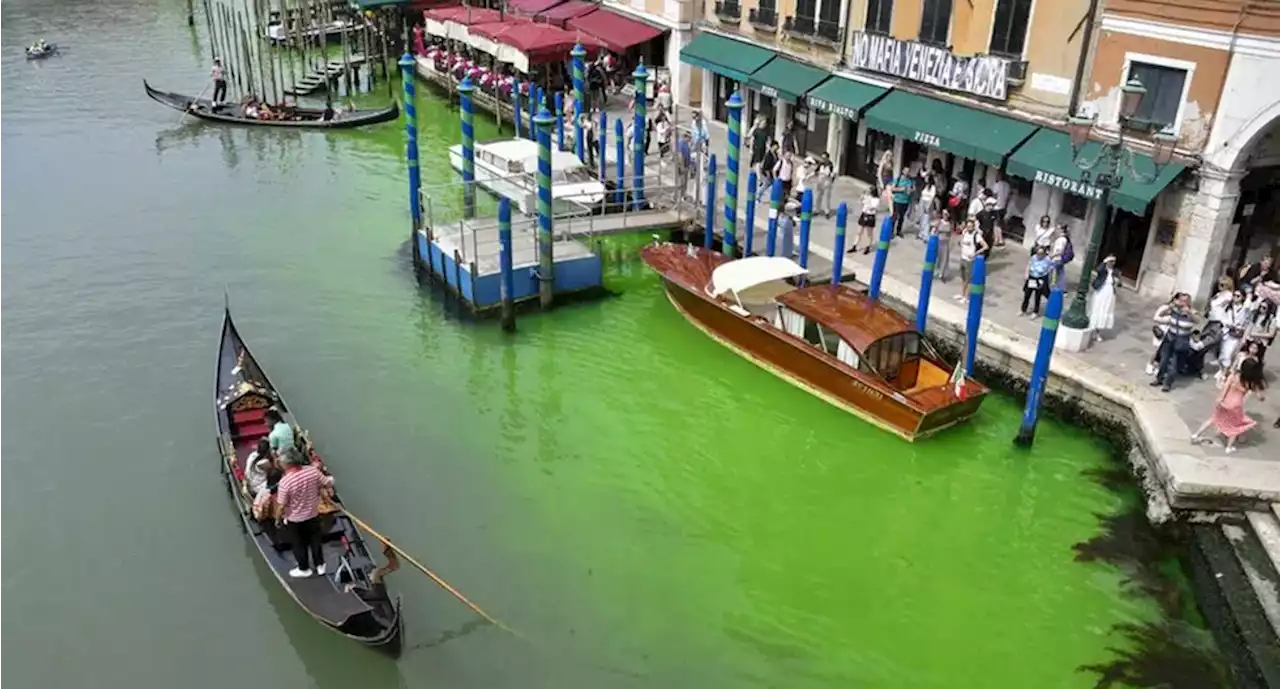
x=953 y=202
x=1033 y=283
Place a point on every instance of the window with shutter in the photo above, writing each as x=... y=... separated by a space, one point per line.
x=879 y=16
x=935 y=22
x=1009 y=28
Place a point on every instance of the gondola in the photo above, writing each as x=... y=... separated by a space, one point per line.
x=351 y=599
x=233 y=113
x=37 y=52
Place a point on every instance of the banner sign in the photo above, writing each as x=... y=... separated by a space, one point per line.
x=982 y=75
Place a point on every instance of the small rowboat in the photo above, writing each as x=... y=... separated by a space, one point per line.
x=36 y=52
x=305 y=118
x=351 y=598
x=830 y=340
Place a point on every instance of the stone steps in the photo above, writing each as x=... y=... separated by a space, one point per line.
x=1237 y=584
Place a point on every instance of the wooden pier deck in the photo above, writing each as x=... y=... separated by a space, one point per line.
x=318 y=78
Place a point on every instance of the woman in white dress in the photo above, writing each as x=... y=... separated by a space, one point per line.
x=1102 y=298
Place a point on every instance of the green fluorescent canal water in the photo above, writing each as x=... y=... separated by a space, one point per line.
x=649 y=510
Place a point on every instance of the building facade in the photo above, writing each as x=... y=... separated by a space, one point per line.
x=1206 y=66
x=982 y=89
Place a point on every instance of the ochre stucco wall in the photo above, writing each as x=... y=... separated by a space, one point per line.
x=1108 y=75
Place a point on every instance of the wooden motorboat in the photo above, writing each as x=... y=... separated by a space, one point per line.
x=507 y=167
x=302 y=118
x=352 y=598
x=832 y=340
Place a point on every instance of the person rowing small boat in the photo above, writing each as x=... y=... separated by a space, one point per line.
x=41 y=49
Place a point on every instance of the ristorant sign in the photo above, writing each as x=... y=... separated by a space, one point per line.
x=982 y=75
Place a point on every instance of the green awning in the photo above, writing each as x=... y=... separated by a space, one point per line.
x=1047 y=159
x=786 y=79
x=725 y=56
x=952 y=127
x=843 y=97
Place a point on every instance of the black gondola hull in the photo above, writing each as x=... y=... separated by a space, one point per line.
x=230 y=113
x=354 y=605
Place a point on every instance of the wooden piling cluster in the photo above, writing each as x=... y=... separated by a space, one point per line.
x=238 y=33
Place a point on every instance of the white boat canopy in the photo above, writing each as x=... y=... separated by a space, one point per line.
x=745 y=273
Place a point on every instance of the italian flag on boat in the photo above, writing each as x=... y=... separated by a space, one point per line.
x=957 y=379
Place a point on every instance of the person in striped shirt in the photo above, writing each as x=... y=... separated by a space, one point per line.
x=298 y=495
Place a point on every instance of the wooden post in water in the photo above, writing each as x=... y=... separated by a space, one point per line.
x=208 y=27
x=842 y=221
x=248 y=57
x=346 y=59
x=1039 y=370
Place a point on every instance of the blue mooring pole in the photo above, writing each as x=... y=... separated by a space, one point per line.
x=465 y=89
x=559 y=105
x=735 y=105
x=1040 y=370
x=600 y=147
x=842 y=222
x=621 y=193
x=749 y=224
x=578 y=57
x=882 y=256
x=775 y=207
x=641 y=76
x=515 y=107
x=546 y=237
x=535 y=103
x=709 y=236
x=926 y=282
x=806 y=221
x=507 y=286
x=977 y=285
x=407 y=65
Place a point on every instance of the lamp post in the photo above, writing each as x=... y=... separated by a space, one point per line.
x=1106 y=171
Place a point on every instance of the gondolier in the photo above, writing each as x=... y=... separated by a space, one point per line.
x=219 y=81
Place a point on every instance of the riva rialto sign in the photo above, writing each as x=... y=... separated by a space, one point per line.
x=981 y=75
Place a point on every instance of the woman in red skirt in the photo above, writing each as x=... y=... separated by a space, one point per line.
x=1228 y=414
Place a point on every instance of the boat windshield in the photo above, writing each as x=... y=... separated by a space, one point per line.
x=896 y=357
x=577 y=175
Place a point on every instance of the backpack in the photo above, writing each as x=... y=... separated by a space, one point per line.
x=1068 y=253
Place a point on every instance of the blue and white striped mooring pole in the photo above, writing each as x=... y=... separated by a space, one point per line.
x=775 y=207
x=507 y=285
x=411 y=140
x=621 y=194
x=1040 y=370
x=546 y=265
x=734 y=104
x=806 y=222
x=977 y=286
x=882 y=256
x=926 y=282
x=578 y=56
x=559 y=108
x=709 y=236
x=749 y=224
x=515 y=107
x=600 y=145
x=641 y=76
x=465 y=89
x=842 y=222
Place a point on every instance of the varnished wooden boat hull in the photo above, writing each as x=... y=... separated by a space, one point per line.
x=808 y=368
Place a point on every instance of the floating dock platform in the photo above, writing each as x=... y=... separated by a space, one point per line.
x=464 y=255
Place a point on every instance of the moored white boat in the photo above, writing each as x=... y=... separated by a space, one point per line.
x=506 y=167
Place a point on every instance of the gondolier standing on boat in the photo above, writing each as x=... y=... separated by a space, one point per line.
x=219 y=81
x=299 y=498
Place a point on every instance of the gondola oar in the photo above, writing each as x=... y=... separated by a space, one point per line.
x=193 y=102
x=434 y=577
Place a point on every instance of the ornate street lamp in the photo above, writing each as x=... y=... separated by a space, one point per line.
x=1107 y=171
